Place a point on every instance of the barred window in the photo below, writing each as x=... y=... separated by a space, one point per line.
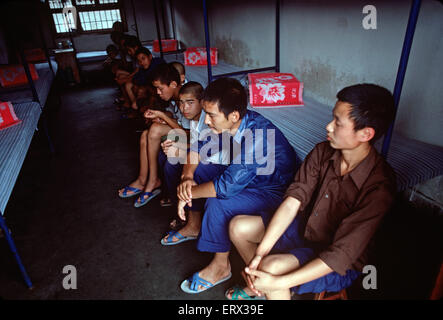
x=90 y=15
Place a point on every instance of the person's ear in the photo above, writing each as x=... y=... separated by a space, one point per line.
x=173 y=84
x=234 y=116
x=366 y=134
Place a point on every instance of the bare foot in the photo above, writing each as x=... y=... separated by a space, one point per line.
x=214 y=273
x=136 y=184
x=151 y=186
x=186 y=231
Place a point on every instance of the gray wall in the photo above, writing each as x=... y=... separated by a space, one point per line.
x=324 y=44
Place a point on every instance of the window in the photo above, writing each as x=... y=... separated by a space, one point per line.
x=92 y=15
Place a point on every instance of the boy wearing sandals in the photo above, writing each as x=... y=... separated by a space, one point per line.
x=166 y=80
x=174 y=152
x=245 y=185
x=318 y=238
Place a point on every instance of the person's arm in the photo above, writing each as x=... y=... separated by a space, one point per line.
x=151 y=114
x=264 y=282
x=280 y=221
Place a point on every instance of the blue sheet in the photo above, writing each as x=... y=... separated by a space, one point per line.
x=14 y=144
x=43 y=85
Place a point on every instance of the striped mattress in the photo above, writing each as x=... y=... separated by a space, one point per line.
x=304 y=127
x=43 y=85
x=14 y=144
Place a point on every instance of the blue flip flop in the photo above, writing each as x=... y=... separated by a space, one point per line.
x=240 y=292
x=181 y=238
x=191 y=285
x=125 y=194
x=144 y=200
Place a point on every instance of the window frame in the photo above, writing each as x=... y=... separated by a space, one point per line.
x=94 y=7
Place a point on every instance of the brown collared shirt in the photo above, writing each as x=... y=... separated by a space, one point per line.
x=342 y=213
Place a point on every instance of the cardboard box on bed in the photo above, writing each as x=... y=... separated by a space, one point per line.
x=15 y=75
x=167 y=45
x=8 y=117
x=275 y=90
x=197 y=56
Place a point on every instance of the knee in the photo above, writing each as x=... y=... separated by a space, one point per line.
x=271 y=264
x=238 y=228
x=155 y=131
x=128 y=85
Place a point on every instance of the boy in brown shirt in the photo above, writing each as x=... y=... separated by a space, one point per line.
x=317 y=239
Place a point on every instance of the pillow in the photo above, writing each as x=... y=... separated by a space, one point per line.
x=35 y=55
x=14 y=75
x=8 y=118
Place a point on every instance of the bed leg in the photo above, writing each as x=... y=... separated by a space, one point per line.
x=14 y=251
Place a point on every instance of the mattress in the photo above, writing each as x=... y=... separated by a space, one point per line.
x=43 y=85
x=14 y=144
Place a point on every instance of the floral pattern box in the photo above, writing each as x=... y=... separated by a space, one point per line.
x=275 y=90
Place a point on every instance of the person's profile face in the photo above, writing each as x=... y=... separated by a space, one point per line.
x=216 y=119
x=165 y=92
x=341 y=134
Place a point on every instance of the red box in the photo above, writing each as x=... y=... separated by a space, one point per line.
x=197 y=57
x=274 y=90
x=8 y=117
x=14 y=75
x=167 y=45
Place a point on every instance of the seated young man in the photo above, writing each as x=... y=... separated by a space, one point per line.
x=252 y=182
x=128 y=46
x=190 y=97
x=166 y=80
x=317 y=239
x=142 y=78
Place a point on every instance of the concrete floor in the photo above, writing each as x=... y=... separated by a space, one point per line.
x=64 y=210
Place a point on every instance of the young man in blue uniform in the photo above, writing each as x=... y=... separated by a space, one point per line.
x=256 y=165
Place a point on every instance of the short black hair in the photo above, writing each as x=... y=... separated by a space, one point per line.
x=179 y=66
x=194 y=88
x=372 y=106
x=165 y=73
x=116 y=37
x=143 y=50
x=111 y=48
x=131 y=41
x=229 y=94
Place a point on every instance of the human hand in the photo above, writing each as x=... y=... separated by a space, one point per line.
x=181 y=210
x=158 y=120
x=264 y=282
x=151 y=114
x=184 y=191
x=253 y=265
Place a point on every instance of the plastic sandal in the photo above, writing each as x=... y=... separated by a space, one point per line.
x=125 y=194
x=142 y=200
x=239 y=292
x=181 y=238
x=191 y=285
